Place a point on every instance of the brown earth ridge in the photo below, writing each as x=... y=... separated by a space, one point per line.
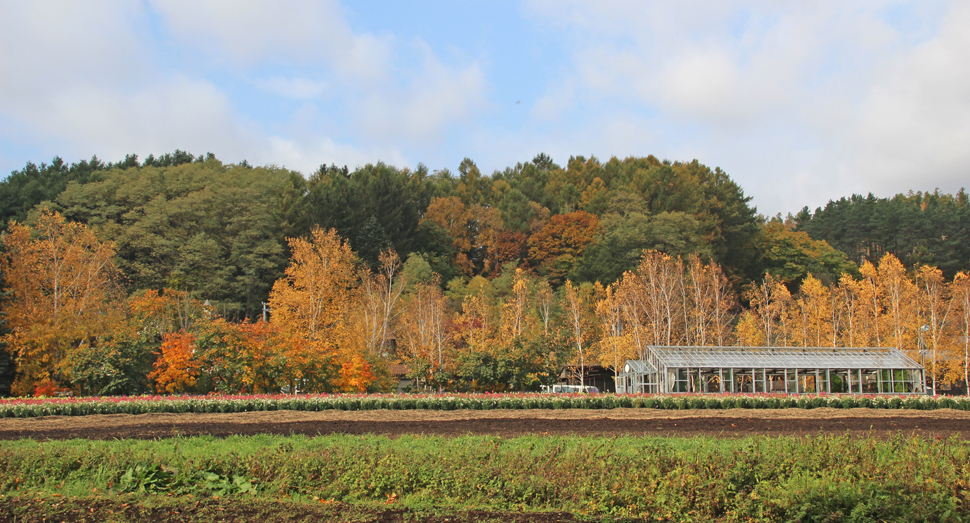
x=942 y=423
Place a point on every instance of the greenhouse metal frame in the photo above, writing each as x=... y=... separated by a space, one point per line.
x=791 y=370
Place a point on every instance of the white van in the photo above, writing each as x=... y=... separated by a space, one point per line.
x=568 y=389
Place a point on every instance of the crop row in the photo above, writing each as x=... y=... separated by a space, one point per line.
x=208 y=404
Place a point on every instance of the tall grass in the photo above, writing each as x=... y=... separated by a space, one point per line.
x=834 y=478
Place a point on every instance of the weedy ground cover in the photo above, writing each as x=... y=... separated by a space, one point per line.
x=24 y=408
x=816 y=478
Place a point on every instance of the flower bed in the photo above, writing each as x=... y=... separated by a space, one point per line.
x=25 y=408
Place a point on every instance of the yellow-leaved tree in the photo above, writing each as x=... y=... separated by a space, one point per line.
x=64 y=296
x=960 y=292
x=312 y=302
x=616 y=346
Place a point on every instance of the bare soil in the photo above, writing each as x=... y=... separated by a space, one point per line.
x=502 y=423
x=47 y=509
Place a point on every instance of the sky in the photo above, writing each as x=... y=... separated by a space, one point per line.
x=799 y=102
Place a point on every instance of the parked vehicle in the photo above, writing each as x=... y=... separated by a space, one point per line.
x=568 y=389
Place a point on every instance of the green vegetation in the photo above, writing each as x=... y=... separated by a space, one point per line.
x=814 y=478
x=918 y=228
x=189 y=404
x=218 y=230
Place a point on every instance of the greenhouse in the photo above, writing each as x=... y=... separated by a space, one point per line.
x=792 y=370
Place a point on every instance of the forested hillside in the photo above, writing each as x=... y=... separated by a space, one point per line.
x=918 y=228
x=156 y=274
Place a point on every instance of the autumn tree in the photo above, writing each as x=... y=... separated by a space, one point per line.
x=710 y=303
x=515 y=317
x=960 y=293
x=379 y=294
x=749 y=331
x=769 y=304
x=871 y=293
x=64 y=296
x=508 y=247
x=175 y=370
x=167 y=310
x=935 y=306
x=814 y=308
x=851 y=303
x=632 y=308
x=544 y=302
x=577 y=304
x=423 y=337
x=900 y=300
x=477 y=323
x=662 y=292
x=311 y=302
x=557 y=247
x=310 y=299
x=617 y=345
x=474 y=229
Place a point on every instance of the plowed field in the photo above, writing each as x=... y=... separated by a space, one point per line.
x=503 y=423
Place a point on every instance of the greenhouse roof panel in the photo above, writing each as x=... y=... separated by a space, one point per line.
x=783 y=357
x=638 y=367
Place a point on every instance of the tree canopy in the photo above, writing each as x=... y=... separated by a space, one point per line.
x=474 y=281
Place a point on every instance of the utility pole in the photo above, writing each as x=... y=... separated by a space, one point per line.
x=265 y=310
x=922 y=358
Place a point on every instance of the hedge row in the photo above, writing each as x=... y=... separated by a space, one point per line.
x=86 y=406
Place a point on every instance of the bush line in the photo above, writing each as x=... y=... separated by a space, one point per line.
x=156 y=404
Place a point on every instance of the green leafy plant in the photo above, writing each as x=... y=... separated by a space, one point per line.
x=228 y=484
x=146 y=478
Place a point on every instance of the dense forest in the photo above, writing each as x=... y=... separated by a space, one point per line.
x=918 y=228
x=158 y=274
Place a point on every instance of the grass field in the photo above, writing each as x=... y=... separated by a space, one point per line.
x=375 y=478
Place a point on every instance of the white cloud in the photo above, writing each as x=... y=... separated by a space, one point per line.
x=431 y=99
x=296 y=88
x=120 y=89
x=915 y=119
x=46 y=47
x=551 y=106
x=301 y=32
x=387 y=102
x=308 y=153
x=170 y=113
x=799 y=102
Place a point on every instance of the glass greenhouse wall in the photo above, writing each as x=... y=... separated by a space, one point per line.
x=809 y=370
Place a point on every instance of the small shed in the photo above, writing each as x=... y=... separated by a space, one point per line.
x=592 y=375
x=793 y=370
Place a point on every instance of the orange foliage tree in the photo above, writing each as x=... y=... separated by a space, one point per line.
x=175 y=370
x=617 y=345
